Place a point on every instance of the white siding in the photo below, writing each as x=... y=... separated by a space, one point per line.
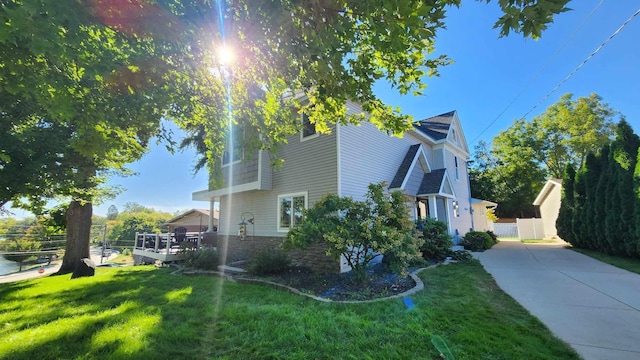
x=463 y=222
x=549 y=208
x=368 y=156
x=309 y=166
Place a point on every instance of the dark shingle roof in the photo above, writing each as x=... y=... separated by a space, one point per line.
x=431 y=182
x=404 y=167
x=436 y=127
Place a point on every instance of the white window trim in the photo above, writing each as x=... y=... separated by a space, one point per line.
x=309 y=137
x=291 y=195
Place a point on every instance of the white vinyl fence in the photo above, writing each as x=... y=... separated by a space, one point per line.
x=505 y=229
x=530 y=229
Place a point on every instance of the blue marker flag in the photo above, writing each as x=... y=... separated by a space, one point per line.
x=409 y=302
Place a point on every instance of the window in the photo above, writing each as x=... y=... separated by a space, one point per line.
x=233 y=150
x=455 y=159
x=290 y=209
x=308 y=129
x=456 y=208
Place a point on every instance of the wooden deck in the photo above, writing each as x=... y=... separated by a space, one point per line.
x=163 y=246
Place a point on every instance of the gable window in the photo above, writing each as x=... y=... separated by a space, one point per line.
x=290 y=209
x=455 y=160
x=233 y=150
x=308 y=128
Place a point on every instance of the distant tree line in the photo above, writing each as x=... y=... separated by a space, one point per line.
x=601 y=200
x=512 y=169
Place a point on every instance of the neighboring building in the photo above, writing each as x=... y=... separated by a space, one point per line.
x=194 y=220
x=480 y=220
x=428 y=164
x=549 y=202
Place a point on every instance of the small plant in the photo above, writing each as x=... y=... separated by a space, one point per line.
x=461 y=256
x=126 y=252
x=437 y=241
x=271 y=261
x=204 y=259
x=493 y=236
x=477 y=241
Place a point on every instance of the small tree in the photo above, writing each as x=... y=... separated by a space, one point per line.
x=437 y=240
x=360 y=230
x=565 y=214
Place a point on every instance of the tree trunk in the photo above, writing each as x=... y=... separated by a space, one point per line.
x=78 y=234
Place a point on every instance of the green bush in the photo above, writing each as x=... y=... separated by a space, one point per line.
x=360 y=231
x=461 y=256
x=493 y=235
x=477 y=241
x=204 y=259
x=271 y=261
x=437 y=241
x=126 y=252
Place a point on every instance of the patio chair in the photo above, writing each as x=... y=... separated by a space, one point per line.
x=180 y=234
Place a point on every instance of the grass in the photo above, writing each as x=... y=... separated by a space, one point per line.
x=122 y=260
x=145 y=312
x=628 y=264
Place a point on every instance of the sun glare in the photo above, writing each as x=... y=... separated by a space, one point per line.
x=225 y=55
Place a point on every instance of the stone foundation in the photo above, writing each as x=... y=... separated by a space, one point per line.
x=232 y=249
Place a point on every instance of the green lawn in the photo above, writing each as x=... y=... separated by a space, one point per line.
x=629 y=264
x=147 y=313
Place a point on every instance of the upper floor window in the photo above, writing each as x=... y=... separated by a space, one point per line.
x=290 y=209
x=308 y=128
x=455 y=159
x=233 y=150
x=454 y=136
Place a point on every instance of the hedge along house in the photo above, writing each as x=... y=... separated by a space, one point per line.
x=428 y=164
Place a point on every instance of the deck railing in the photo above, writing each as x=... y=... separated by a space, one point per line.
x=163 y=245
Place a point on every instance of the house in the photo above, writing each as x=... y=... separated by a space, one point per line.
x=428 y=163
x=549 y=202
x=194 y=220
x=480 y=220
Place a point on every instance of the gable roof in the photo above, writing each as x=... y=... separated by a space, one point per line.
x=204 y=212
x=414 y=155
x=548 y=186
x=436 y=182
x=436 y=127
x=432 y=182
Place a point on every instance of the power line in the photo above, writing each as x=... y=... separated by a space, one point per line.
x=583 y=62
x=542 y=68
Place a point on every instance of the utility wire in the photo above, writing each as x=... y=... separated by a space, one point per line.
x=542 y=68
x=583 y=62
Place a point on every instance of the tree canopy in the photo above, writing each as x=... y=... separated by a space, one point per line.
x=90 y=81
x=522 y=157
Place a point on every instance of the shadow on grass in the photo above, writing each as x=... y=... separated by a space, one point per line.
x=143 y=312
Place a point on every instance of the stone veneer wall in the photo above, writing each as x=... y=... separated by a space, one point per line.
x=313 y=257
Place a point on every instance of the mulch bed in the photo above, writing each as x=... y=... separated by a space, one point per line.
x=344 y=286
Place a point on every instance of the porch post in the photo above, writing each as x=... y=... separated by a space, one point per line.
x=211 y=214
x=157 y=241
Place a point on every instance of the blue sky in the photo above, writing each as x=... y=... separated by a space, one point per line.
x=486 y=77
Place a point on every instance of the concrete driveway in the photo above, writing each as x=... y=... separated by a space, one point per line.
x=593 y=306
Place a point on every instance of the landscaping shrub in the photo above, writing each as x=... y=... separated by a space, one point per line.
x=437 y=241
x=271 y=261
x=204 y=259
x=493 y=235
x=126 y=252
x=461 y=256
x=360 y=231
x=477 y=241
